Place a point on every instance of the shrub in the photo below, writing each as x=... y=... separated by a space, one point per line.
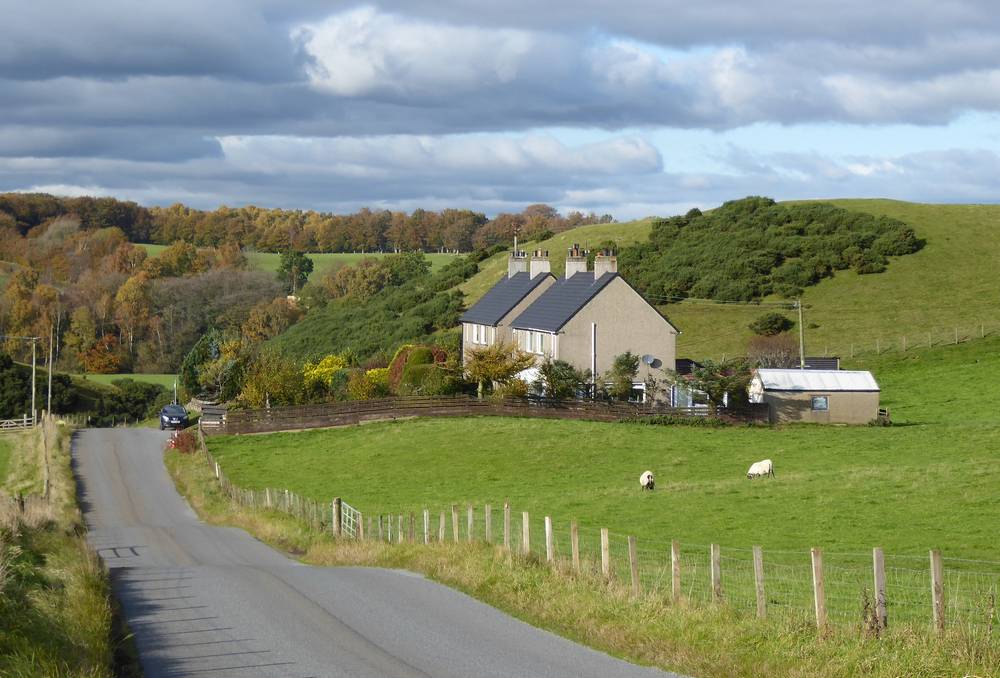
x=771 y=324
x=185 y=442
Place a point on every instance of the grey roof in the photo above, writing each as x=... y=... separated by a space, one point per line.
x=564 y=298
x=822 y=363
x=502 y=298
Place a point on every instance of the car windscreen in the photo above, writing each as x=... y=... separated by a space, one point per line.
x=174 y=410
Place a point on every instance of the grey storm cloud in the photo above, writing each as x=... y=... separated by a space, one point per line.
x=314 y=103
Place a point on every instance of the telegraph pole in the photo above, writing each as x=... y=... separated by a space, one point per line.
x=48 y=402
x=802 y=338
x=34 y=343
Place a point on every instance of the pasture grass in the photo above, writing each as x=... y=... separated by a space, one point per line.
x=25 y=457
x=929 y=481
x=322 y=261
x=164 y=380
x=691 y=639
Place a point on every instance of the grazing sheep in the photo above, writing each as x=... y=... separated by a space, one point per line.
x=761 y=468
x=647 y=481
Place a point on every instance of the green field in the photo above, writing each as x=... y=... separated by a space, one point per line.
x=164 y=380
x=322 y=261
x=930 y=481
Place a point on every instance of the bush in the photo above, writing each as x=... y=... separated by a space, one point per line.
x=771 y=324
x=185 y=442
x=747 y=249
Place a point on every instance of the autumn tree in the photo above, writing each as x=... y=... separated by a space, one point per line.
x=497 y=364
x=132 y=305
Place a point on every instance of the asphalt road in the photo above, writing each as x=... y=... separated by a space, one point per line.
x=214 y=601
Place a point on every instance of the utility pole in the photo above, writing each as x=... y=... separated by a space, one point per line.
x=48 y=402
x=802 y=338
x=34 y=342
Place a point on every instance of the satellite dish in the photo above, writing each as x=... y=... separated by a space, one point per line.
x=648 y=359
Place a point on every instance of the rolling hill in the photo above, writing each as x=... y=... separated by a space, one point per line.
x=923 y=297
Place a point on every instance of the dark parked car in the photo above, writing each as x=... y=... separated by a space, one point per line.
x=173 y=416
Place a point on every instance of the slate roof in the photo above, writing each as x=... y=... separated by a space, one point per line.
x=501 y=298
x=817 y=380
x=563 y=300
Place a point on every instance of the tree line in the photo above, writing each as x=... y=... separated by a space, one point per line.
x=274 y=230
x=109 y=307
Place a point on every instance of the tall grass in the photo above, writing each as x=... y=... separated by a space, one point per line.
x=55 y=606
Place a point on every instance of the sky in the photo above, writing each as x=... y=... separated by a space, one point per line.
x=632 y=108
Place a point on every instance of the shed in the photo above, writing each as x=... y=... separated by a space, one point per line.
x=819 y=396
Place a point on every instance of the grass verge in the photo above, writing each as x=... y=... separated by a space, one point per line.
x=56 y=614
x=711 y=640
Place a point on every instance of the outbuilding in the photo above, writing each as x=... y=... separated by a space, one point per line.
x=818 y=396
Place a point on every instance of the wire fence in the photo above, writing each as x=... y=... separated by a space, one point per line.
x=806 y=585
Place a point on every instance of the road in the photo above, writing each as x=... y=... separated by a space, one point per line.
x=214 y=601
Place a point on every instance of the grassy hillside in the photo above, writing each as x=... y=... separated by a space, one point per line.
x=945 y=285
x=844 y=488
x=268 y=261
x=591 y=236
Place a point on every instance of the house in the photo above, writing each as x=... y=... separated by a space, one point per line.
x=820 y=396
x=588 y=318
x=488 y=320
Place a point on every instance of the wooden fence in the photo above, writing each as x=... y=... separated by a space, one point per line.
x=870 y=590
x=357 y=411
x=24 y=423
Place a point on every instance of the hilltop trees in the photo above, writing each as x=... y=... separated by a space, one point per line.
x=747 y=249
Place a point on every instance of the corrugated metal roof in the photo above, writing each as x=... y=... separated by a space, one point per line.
x=564 y=298
x=822 y=363
x=817 y=380
x=501 y=298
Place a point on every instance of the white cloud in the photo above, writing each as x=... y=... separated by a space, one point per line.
x=364 y=51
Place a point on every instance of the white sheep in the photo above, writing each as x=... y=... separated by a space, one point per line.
x=761 y=468
x=647 y=481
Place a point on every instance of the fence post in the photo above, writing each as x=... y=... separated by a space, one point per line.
x=633 y=563
x=956 y=335
x=550 y=551
x=427 y=526
x=937 y=589
x=878 y=559
x=470 y=524
x=454 y=522
x=715 y=554
x=574 y=541
x=368 y=532
x=338 y=518
x=605 y=554
x=441 y=527
x=819 y=593
x=400 y=530
x=758 y=577
x=413 y=528
x=506 y=525
x=488 y=523
x=675 y=570
x=380 y=535
x=904 y=343
x=525 y=533
x=361 y=527
x=878 y=347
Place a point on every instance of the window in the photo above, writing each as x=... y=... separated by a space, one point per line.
x=820 y=403
x=480 y=334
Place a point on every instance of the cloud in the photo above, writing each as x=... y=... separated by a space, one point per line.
x=310 y=103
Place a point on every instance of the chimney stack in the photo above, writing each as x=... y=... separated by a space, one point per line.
x=517 y=262
x=606 y=261
x=539 y=263
x=576 y=261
